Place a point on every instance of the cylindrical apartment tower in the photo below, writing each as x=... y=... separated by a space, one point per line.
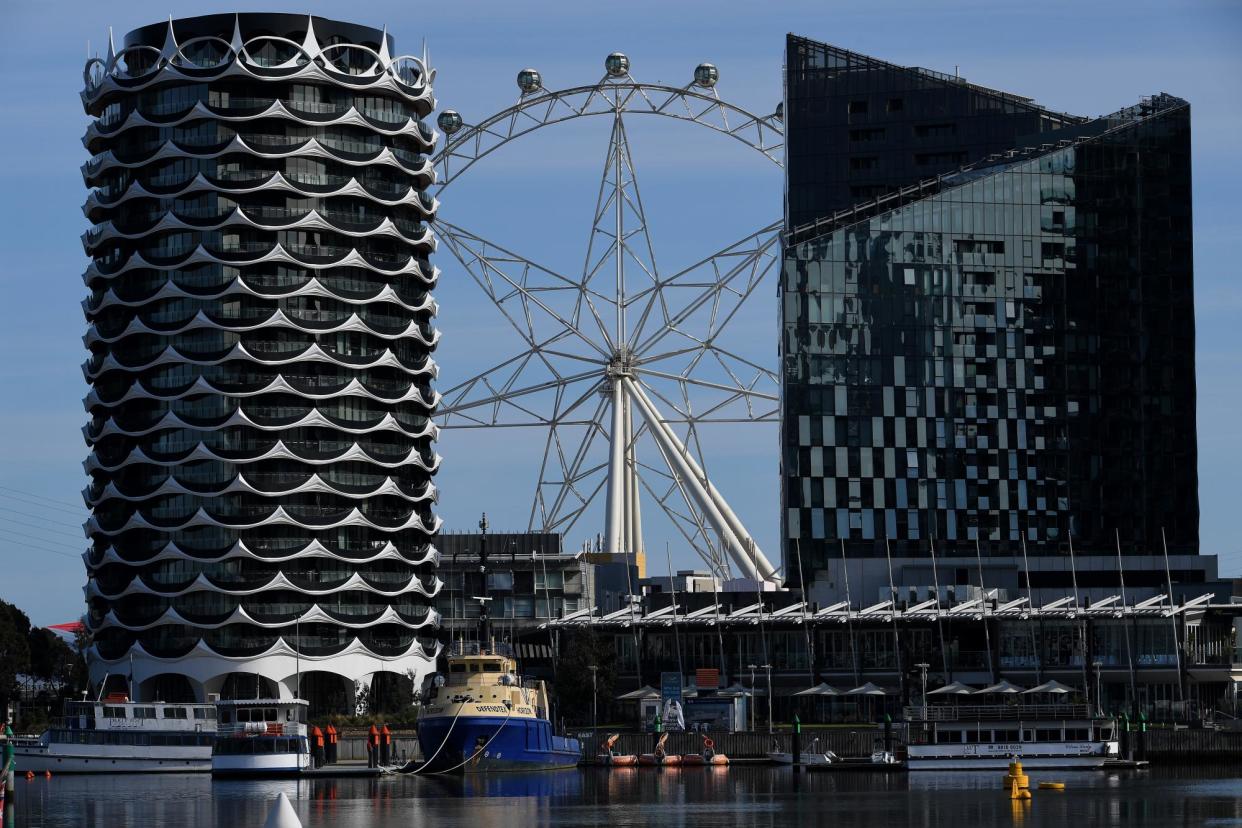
x=260 y=360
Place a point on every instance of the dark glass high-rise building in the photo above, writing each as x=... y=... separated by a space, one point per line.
x=260 y=336
x=992 y=349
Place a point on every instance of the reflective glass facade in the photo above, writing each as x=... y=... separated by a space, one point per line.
x=1002 y=353
x=260 y=336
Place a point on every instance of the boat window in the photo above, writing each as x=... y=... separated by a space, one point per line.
x=457 y=668
x=204 y=712
x=1006 y=735
x=1047 y=735
x=175 y=713
x=1028 y=735
x=114 y=712
x=491 y=667
x=1076 y=734
x=269 y=715
x=144 y=712
x=226 y=717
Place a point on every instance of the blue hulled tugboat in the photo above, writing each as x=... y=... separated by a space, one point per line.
x=482 y=716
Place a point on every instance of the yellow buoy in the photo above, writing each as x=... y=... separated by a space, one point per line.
x=1052 y=786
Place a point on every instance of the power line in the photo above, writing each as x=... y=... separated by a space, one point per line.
x=40 y=497
x=45 y=520
x=76 y=512
x=29 y=525
x=11 y=532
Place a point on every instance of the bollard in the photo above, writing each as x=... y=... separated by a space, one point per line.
x=888 y=733
x=1142 y=737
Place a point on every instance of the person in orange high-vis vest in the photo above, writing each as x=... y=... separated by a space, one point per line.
x=385 y=745
x=317 y=746
x=330 y=748
x=373 y=740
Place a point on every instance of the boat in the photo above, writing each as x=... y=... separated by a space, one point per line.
x=261 y=738
x=116 y=735
x=989 y=737
x=620 y=760
x=484 y=717
x=481 y=715
x=809 y=758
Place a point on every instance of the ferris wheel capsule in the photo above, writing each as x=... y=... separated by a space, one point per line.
x=706 y=75
x=529 y=80
x=449 y=121
x=617 y=64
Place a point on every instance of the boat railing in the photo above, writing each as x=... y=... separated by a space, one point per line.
x=995 y=712
x=241 y=730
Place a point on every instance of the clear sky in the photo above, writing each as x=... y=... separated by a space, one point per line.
x=701 y=192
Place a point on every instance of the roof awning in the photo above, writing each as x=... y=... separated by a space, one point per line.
x=867 y=689
x=1052 y=686
x=1001 y=686
x=820 y=689
x=644 y=692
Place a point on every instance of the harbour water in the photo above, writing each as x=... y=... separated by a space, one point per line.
x=720 y=798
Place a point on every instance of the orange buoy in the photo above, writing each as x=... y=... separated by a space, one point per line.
x=47 y=774
x=29 y=775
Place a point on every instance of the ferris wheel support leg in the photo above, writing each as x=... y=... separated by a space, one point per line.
x=685 y=468
x=616 y=519
x=633 y=509
x=747 y=554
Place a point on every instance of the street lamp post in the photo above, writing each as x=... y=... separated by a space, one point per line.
x=768 y=667
x=923 y=667
x=594 y=702
x=751 y=701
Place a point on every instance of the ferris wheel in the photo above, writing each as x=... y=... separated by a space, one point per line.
x=621 y=363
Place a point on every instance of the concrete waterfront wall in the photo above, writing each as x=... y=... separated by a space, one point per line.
x=354 y=748
x=1187 y=747
x=841 y=741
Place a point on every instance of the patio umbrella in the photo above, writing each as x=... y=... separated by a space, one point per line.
x=867 y=689
x=954 y=689
x=820 y=689
x=1052 y=686
x=644 y=692
x=1001 y=686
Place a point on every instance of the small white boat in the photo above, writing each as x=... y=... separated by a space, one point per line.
x=261 y=738
x=810 y=758
x=962 y=742
x=116 y=735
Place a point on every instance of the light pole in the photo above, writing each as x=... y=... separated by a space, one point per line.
x=923 y=667
x=594 y=702
x=1099 y=692
x=751 y=702
x=768 y=667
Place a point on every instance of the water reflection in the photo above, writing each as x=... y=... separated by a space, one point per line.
x=624 y=797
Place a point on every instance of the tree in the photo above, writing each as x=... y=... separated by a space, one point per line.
x=14 y=651
x=581 y=650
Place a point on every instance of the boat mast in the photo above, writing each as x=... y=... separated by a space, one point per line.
x=485 y=626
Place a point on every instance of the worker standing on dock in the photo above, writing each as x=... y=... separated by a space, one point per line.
x=385 y=745
x=330 y=747
x=316 y=746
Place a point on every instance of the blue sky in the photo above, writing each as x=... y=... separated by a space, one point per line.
x=701 y=192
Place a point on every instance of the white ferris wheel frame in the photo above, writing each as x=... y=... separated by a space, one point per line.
x=615 y=356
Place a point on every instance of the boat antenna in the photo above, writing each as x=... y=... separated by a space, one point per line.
x=806 y=627
x=1121 y=576
x=1080 y=626
x=1039 y=660
x=485 y=626
x=892 y=595
x=681 y=667
x=983 y=607
x=849 y=612
x=944 y=654
x=1177 y=647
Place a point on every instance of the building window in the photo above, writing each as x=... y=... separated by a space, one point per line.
x=858 y=108
x=872 y=134
x=864 y=162
x=896 y=104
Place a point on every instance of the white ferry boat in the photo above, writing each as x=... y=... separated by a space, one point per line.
x=116 y=735
x=988 y=737
x=261 y=737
